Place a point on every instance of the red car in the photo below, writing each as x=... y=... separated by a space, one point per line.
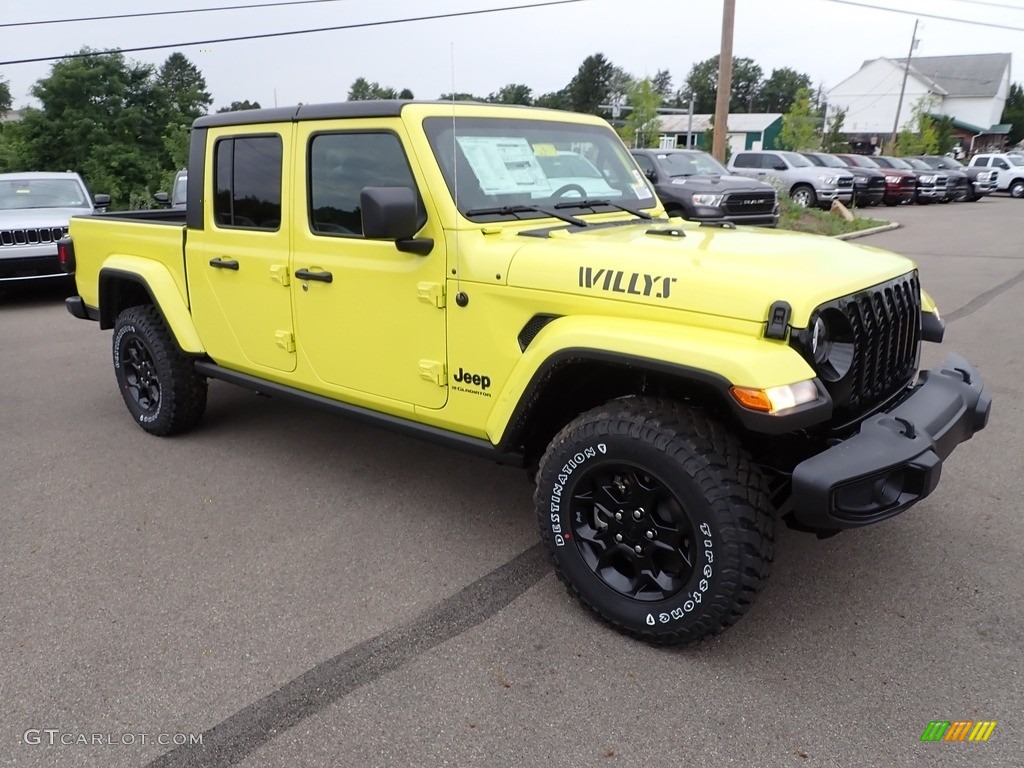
x=900 y=185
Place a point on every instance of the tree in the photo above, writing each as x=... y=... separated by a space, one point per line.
x=799 y=125
x=662 y=84
x=406 y=94
x=778 y=92
x=362 y=90
x=5 y=96
x=642 y=128
x=555 y=100
x=589 y=88
x=104 y=117
x=238 y=106
x=513 y=93
x=1013 y=112
x=185 y=86
x=925 y=139
x=833 y=139
x=702 y=85
x=459 y=97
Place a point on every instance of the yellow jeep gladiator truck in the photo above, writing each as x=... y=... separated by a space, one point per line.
x=504 y=280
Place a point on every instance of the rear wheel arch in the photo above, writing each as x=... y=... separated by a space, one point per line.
x=120 y=290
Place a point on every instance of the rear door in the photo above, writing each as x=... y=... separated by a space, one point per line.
x=238 y=263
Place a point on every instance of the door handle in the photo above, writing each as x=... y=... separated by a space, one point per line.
x=220 y=263
x=323 y=277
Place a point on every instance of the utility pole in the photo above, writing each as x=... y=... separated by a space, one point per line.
x=903 y=86
x=724 y=82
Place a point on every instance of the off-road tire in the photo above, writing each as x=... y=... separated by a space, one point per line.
x=706 y=487
x=158 y=382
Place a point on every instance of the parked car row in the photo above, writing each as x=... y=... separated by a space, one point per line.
x=818 y=178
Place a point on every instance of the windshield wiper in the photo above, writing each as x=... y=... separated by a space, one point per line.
x=513 y=210
x=597 y=203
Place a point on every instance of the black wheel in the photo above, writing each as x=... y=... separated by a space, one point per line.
x=656 y=519
x=567 y=188
x=1017 y=188
x=803 y=196
x=163 y=392
x=963 y=194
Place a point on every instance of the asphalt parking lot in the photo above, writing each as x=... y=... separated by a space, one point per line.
x=300 y=590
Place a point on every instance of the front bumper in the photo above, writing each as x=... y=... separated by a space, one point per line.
x=932 y=194
x=29 y=264
x=896 y=458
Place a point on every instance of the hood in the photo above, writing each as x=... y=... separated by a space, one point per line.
x=736 y=273
x=716 y=183
x=37 y=218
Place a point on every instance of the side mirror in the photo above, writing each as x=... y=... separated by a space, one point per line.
x=780 y=167
x=162 y=197
x=650 y=174
x=101 y=201
x=392 y=213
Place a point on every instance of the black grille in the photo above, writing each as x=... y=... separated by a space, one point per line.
x=876 y=182
x=845 y=182
x=32 y=236
x=749 y=202
x=886 y=322
x=881 y=343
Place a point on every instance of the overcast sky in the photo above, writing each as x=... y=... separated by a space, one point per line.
x=541 y=47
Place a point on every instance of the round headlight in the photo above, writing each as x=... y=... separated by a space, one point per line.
x=829 y=339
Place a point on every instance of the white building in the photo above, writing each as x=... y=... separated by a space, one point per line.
x=970 y=89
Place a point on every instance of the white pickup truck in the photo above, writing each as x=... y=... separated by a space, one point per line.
x=1009 y=170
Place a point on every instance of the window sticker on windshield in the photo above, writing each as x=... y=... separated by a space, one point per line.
x=504 y=165
x=640 y=188
x=545 y=150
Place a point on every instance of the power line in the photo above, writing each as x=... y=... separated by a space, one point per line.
x=267 y=35
x=992 y=5
x=926 y=15
x=160 y=13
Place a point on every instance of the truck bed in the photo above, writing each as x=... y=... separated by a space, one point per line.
x=132 y=241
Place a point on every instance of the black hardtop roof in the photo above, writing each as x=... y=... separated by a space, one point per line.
x=337 y=110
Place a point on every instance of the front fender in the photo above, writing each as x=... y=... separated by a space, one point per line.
x=159 y=283
x=719 y=358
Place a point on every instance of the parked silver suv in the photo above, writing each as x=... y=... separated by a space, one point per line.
x=805 y=182
x=34 y=212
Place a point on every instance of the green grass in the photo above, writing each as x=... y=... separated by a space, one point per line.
x=820 y=222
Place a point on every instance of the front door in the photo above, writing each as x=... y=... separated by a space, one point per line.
x=369 y=318
x=237 y=264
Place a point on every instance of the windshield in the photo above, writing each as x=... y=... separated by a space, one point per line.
x=796 y=160
x=19 y=194
x=948 y=163
x=829 y=161
x=921 y=165
x=178 y=194
x=862 y=161
x=1016 y=159
x=896 y=162
x=501 y=162
x=691 y=164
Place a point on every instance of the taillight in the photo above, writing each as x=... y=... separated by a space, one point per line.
x=66 y=255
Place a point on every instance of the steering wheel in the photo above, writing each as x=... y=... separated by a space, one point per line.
x=562 y=191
